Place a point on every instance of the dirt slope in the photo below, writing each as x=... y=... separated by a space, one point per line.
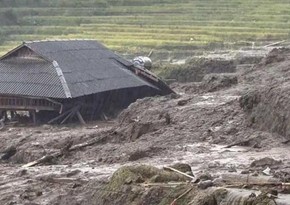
x=267 y=102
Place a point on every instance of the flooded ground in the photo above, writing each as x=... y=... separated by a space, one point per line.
x=221 y=132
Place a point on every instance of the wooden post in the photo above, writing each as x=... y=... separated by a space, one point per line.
x=68 y=116
x=33 y=112
x=59 y=117
x=81 y=119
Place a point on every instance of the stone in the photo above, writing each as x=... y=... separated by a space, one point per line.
x=205 y=184
x=266 y=161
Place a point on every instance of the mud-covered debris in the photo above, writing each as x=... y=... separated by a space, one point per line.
x=266 y=161
x=254 y=141
x=149 y=120
x=66 y=146
x=232 y=168
x=47 y=127
x=182 y=102
x=203 y=176
x=139 y=129
x=138 y=154
x=250 y=100
x=267 y=171
x=73 y=173
x=157 y=131
x=231 y=130
x=128 y=180
x=185 y=168
x=22 y=172
x=245 y=172
x=165 y=115
x=9 y=152
x=205 y=184
x=215 y=82
x=218 y=181
x=141 y=174
x=30 y=194
x=174 y=96
x=276 y=55
x=214 y=164
x=283 y=174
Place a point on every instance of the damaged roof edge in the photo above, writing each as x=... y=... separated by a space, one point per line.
x=62 y=80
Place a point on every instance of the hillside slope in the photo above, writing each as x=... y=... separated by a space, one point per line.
x=133 y=25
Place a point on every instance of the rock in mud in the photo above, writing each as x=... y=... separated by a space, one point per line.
x=245 y=172
x=138 y=154
x=28 y=153
x=205 y=184
x=182 y=102
x=9 y=152
x=21 y=173
x=203 y=176
x=127 y=180
x=267 y=161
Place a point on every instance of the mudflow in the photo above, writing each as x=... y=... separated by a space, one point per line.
x=229 y=131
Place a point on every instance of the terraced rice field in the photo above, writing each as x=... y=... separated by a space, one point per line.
x=132 y=26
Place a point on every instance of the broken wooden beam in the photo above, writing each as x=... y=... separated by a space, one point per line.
x=169 y=184
x=81 y=119
x=274 y=44
x=232 y=179
x=64 y=180
x=182 y=195
x=59 y=117
x=179 y=172
x=70 y=115
x=240 y=143
x=42 y=160
x=61 y=152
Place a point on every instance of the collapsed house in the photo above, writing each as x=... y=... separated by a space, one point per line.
x=58 y=81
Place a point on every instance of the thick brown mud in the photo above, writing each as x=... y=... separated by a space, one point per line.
x=223 y=127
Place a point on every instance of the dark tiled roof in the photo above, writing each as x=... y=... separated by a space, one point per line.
x=80 y=67
x=31 y=77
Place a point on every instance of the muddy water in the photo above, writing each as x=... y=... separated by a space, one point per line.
x=202 y=156
x=237 y=196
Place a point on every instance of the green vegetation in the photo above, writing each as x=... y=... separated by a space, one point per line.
x=134 y=26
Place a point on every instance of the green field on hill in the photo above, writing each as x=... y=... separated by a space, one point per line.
x=134 y=26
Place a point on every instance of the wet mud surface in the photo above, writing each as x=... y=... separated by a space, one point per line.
x=226 y=124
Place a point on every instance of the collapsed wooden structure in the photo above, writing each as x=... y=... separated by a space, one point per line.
x=58 y=81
